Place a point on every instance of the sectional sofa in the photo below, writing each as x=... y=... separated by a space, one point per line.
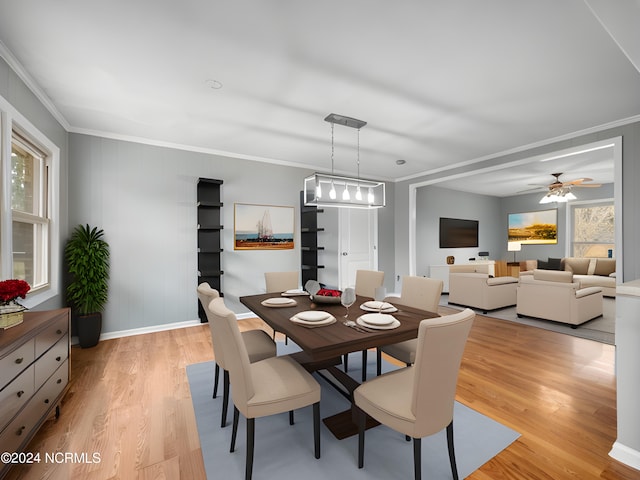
x=588 y=272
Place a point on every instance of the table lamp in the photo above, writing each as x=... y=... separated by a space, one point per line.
x=514 y=247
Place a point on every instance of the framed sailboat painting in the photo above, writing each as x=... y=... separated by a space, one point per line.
x=263 y=227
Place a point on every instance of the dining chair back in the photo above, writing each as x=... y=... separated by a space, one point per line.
x=281 y=281
x=430 y=386
x=367 y=281
x=267 y=387
x=258 y=344
x=417 y=292
x=421 y=292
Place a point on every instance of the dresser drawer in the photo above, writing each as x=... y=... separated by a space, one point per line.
x=46 y=396
x=14 y=395
x=16 y=433
x=15 y=362
x=51 y=335
x=51 y=360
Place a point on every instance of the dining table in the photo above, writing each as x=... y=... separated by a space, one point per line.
x=322 y=347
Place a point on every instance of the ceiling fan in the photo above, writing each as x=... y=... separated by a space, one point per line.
x=558 y=185
x=560 y=191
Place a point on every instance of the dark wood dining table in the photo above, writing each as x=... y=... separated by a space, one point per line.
x=323 y=346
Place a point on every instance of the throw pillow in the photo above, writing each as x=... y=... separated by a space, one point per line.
x=542 y=265
x=554 y=263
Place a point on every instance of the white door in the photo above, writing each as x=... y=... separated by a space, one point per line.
x=358 y=243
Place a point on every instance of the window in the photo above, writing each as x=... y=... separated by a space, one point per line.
x=593 y=230
x=29 y=212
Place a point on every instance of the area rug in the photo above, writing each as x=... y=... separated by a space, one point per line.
x=285 y=452
x=601 y=329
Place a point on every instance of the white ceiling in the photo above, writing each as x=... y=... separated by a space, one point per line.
x=439 y=82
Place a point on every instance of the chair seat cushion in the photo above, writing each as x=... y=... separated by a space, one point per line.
x=403 y=351
x=280 y=384
x=387 y=398
x=259 y=345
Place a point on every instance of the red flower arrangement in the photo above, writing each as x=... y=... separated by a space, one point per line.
x=12 y=289
x=327 y=292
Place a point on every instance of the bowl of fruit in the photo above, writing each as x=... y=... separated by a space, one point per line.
x=326 y=295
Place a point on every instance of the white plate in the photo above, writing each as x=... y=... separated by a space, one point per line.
x=327 y=321
x=394 y=324
x=294 y=292
x=377 y=319
x=279 y=302
x=373 y=306
x=312 y=315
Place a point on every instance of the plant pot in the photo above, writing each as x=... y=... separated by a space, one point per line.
x=89 y=328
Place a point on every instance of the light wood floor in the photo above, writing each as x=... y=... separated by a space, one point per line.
x=129 y=401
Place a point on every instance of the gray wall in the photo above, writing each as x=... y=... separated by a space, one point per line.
x=433 y=202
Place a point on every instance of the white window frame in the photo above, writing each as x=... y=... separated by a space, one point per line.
x=11 y=119
x=582 y=204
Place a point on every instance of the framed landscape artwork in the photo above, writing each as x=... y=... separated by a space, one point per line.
x=263 y=227
x=534 y=228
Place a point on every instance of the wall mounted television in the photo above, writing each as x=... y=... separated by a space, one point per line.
x=458 y=233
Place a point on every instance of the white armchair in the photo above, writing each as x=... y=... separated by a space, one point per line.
x=479 y=290
x=554 y=295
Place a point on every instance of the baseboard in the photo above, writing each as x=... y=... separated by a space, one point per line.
x=157 y=328
x=626 y=455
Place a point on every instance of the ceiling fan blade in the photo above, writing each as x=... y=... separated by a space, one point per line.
x=577 y=181
x=590 y=185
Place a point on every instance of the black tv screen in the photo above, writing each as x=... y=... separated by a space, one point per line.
x=458 y=233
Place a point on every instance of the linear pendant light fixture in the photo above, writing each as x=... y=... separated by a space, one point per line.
x=329 y=190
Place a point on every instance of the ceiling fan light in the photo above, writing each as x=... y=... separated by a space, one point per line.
x=570 y=196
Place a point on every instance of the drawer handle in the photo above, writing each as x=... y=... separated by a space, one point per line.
x=59 y=381
x=58 y=358
x=20 y=430
x=20 y=393
x=19 y=360
x=46 y=400
x=58 y=332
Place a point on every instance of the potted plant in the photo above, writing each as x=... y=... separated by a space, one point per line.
x=87 y=256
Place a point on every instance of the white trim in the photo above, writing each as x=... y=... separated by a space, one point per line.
x=150 y=329
x=626 y=455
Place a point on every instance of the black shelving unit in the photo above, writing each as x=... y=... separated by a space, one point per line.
x=209 y=236
x=309 y=241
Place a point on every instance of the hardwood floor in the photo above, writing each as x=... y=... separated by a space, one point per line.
x=129 y=402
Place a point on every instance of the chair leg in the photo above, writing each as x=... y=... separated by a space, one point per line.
x=364 y=365
x=316 y=429
x=216 y=375
x=378 y=362
x=362 y=421
x=452 y=453
x=417 y=458
x=251 y=424
x=234 y=429
x=225 y=398
x=291 y=417
x=346 y=362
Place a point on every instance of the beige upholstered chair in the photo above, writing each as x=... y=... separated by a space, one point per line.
x=479 y=290
x=555 y=295
x=366 y=283
x=417 y=292
x=418 y=401
x=258 y=345
x=270 y=386
x=280 y=281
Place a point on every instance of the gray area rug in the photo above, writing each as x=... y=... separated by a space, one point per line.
x=285 y=452
x=601 y=329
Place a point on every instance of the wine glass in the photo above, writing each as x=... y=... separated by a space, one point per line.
x=348 y=298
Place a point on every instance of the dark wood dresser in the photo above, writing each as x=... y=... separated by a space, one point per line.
x=34 y=376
